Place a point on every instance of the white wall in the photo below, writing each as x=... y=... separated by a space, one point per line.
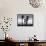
x=10 y=8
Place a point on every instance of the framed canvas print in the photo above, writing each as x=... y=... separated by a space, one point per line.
x=25 y=20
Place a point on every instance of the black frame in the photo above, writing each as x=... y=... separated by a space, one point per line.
x=25 y=17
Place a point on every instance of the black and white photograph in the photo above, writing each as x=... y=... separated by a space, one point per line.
x=25 y=19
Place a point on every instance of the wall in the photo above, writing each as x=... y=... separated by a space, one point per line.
x=10 y=8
